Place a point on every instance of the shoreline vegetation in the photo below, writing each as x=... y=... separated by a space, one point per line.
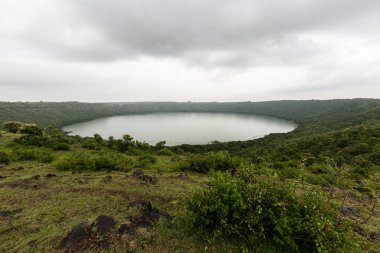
x=315 y=189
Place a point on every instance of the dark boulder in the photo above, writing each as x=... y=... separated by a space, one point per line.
x=90 y=236
x=349 y=211
x=10 y=213
x=107 y=179
x=183 y=176
x=140 y=175
x=36 y=177
x=104 y=225
x=146 y=219
x=18 y=168
x=2 y=177
x=137 y=173
x=48 y=176
x=375 y=236
x=78 y=239
x=141 y=203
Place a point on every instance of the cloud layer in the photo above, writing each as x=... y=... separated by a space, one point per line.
x=200 y=50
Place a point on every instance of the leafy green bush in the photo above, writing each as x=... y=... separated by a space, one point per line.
x=212 y=161
x=39 y=154
x=31 y=129
x=253 y=210
x=165 y=152
x=4 y=158
x=92 y=161
x=76 y=162
x=144 y=160
x=54 y=143
x=12 y=126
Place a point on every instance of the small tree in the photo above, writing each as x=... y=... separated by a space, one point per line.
x=4 y=158
x=31 y=129
x=160 y=145
x=12 y=126
x=98 y=138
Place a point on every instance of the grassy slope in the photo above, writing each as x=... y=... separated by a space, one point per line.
x=51 y=207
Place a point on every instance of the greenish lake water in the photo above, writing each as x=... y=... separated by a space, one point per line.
x=181 y=128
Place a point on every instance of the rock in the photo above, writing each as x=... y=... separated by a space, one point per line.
x=78 y=239
x=107 y=179
x=141 y=203
x=36 y=177
x=140 y=175
x=104 y=225
x=86 y=236
x=48 y=176
x=361 y=231
x=124 y=229
x=349 y=211
x=149 y=179
x=32 y=243
x=137 y=173
x=10 y=213
x=2 y=177
x=18 y=168
x=1 y=166
x=183 y=176
x=375 y=236
x=148 y=216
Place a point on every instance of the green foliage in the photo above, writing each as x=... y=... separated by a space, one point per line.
x=12 y=126
x=165 y=152
x=55 y=143
x=4 y=157
x=212 y=161
x=39 y=154
x=95 y=161
x=254 y=209
x=144 y=160
x=31 y=129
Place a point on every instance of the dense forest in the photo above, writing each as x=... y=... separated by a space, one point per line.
x=315 y=189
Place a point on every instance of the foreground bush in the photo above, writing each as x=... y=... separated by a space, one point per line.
x=12 y=126
x=31 y=129
x=4 y=158
x=92 y=161
x=268 y=211
x=55 y=143
x=38 y=154
x=212 y=161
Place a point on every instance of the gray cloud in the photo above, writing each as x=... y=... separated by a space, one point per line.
x=215 y=31
x=261 y=47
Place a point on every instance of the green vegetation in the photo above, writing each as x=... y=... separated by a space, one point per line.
x=315 y=189
x=290 y=217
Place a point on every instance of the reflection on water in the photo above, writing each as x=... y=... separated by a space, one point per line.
x=180 y=128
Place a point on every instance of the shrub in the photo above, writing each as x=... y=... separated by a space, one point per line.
x=43 y=141
x=76 y=162
x=12 y=126
x=92 y=161
x=145 y=160
x=268 y=210
x=212 y=161
x=4 y=158
x=31 y=129
x=165 y=152
x=39 y=154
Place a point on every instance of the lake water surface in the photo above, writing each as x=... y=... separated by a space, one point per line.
x=181 y=128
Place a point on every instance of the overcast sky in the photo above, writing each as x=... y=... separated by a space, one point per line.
x=188 y=50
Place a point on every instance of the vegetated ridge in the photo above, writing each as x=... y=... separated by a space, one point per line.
x=315 y=189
